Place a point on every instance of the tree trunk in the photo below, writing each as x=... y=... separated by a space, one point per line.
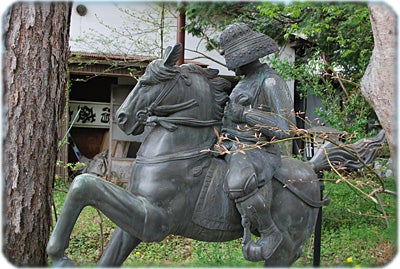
x=35 y=76
x=379 y=82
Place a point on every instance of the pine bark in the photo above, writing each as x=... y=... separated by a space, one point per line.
x=379 y=82
x=35 y=77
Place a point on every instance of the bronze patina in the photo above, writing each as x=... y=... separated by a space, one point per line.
x=178 y=187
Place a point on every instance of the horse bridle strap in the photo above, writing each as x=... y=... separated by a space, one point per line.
x=169 y=109
x=165 y=91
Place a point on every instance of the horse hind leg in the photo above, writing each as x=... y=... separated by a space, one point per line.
x=135 y=215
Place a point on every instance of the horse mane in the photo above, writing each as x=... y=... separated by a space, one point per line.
x=157 y=72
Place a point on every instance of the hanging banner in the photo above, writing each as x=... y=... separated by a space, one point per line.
x=91 y=115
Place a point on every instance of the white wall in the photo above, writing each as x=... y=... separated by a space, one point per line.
x=99 y=15
x=103 y=14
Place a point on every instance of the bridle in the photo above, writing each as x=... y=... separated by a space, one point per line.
x=159 y=114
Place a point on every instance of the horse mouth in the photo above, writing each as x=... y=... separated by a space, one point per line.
x=135 y=129
x=129 y=127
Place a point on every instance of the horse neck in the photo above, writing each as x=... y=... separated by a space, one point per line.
x=184 y=141
x=198 y=90
x=161 y=142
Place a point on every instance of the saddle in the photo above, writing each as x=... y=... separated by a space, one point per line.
x=214 y=210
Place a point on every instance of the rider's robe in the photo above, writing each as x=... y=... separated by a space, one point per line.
x=267 y=108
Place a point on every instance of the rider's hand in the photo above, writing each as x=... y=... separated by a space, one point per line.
x=236 y=112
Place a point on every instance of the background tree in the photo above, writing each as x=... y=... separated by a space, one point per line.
x=35 y=66
x=379 y=83
x=332 y=65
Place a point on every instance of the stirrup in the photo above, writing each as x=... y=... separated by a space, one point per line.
x=259 y=251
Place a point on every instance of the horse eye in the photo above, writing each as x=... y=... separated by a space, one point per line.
x=143 y=83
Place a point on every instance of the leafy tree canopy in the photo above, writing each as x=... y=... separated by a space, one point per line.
x=336 y=45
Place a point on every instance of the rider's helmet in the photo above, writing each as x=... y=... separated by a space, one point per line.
x=240 y=45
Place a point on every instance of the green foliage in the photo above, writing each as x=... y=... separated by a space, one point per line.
x=355 y=227
x=207 y=19
x=71 y=167
x=342 y=31
x=177 y=250
x=354 y=230
x=331 y=65
x=335 y=40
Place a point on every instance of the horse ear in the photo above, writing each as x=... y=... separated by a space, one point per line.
x=171 y=54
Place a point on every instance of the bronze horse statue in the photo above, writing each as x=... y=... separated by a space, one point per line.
x=176 y=185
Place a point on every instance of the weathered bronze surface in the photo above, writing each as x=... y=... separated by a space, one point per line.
x=178 y=187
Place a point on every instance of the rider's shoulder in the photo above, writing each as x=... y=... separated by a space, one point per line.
x=269 y=75
x=273 y=80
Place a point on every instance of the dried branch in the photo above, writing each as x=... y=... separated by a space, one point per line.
x=203 y=55
x=360 y=156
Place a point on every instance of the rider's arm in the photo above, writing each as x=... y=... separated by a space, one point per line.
x=275 y=117
x=280 y=117
x=269 y=123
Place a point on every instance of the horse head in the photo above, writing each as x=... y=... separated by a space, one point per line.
x=152 y=99
x=140 y=103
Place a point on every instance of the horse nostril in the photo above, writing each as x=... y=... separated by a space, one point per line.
x=122 y=118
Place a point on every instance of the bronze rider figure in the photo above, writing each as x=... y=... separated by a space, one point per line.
x=260 y=110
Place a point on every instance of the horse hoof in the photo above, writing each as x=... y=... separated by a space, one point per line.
x=63 y=262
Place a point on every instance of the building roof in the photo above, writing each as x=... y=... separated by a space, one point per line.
x=89 y=63
x=75 y=55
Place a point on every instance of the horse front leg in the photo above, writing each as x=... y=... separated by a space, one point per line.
x=134 y=214
x=120 y=245
x=118 y=249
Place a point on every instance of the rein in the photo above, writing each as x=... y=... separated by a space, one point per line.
x=159 y=114
x=170 y=123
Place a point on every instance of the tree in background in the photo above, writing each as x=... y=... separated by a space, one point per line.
x=35 y=66
x=141 y=32
x=379 y=83
x=337 y=44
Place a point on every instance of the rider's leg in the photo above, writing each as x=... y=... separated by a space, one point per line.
x=253 y=205
x=134 y=214
x=118 y=249
x=256 y=208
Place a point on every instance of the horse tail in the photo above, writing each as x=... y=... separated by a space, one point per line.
x=351 y=156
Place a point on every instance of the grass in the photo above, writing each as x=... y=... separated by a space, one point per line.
x=354 y=233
